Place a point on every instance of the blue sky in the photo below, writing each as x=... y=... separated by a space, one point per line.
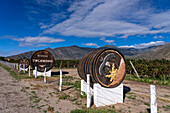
x=27 y=25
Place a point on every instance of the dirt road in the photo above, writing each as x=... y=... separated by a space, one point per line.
x=34 y=96
x=12 y=100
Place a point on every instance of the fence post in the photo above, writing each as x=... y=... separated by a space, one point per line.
x=19 y=67
x=45 y=76
x=88 y=91
x=60 y=87
x=153 y=104
x=35 y=71
x=24 y=67
x=29 y=71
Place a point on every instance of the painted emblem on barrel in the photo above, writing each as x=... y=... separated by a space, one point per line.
x=42 y=59
x=25 y=62
x=111 y=68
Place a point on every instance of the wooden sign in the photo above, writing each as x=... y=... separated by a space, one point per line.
x=42 y=59
x=24 y=62
x=105 y=66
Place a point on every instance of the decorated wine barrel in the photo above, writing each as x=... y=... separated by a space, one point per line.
x=105 y=66
x=25 y=62
x=42 y=59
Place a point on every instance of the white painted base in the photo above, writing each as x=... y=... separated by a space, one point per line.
x=84 y=87
x=107 y=96
x=48 y=73
x=26 y=69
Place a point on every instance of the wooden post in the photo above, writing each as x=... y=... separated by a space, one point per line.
x=164 y=78
x=153 y=104
x=29 y=71
x=45 y=80
x=61 y=64
x=88 y=91
x=134 y=69
x=60 y=87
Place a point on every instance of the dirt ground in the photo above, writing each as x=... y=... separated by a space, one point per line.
x=33 y=95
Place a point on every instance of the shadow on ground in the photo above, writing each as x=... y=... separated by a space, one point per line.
x=125 y=90
x=58 y=73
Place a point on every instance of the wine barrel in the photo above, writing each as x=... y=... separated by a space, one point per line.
x=42 y=59
x=105 y=66
x=25 y=62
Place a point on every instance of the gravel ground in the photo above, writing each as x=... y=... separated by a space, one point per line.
x=34 y=96
x=12 y=100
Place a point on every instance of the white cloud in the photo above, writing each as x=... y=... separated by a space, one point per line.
x=161 y=37
x=144 y=45
x=161 y=21
x=56 y=3
x=43 y=26
x=37 y=41
x=90 y=44
x=42 y=45
x=9 y=53
x=155 y=37
x=8 y=37
x=108 y=18
x=107 y=41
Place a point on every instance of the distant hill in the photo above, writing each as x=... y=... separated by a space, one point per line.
x=71 y=52
x=75 y=52
x=158 y=52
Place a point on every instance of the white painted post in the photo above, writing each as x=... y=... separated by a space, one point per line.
x=88 y=91
x=153 y=104
x=19 y=67
x=60 y=87
x=29 y=71
x=14 y=65
x=24 y=67
x=45 y=76
x=82 y=86
x=35 y=71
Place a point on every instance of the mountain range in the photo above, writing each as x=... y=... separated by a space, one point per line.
x=75 y=52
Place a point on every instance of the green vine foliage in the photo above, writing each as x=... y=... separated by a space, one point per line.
x=155 y=69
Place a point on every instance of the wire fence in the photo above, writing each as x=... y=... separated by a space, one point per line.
x=11 y=65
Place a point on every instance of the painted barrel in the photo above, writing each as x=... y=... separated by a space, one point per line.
x=42 y=59
x=105 y=66
x=25 y=62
